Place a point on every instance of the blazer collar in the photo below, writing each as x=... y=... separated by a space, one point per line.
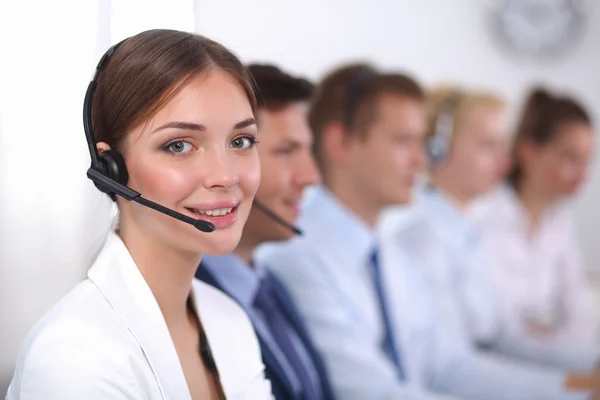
x=122 y=284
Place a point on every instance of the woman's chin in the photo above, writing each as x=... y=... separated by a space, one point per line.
x=221 y=243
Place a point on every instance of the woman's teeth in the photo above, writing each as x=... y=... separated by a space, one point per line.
x=218 y=212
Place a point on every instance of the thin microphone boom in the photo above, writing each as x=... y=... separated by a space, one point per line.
x=276 y=217
x=131 y=195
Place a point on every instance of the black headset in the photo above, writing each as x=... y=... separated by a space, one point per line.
x=438 y=144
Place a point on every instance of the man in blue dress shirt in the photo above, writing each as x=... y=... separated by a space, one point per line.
x=365 y=301
x=292 y=364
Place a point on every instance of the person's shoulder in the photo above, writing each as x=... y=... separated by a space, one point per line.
x=76 y=344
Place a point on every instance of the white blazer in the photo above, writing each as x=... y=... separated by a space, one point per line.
x=107 y=339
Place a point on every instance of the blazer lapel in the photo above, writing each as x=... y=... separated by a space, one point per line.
x=122 y=284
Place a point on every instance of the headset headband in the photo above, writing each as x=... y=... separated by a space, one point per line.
x=87 y=106
x=439 y=143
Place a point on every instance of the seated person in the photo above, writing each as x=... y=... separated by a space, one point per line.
x=162 y=106
x=529 y=230
x=364 y=299
x=293 y=366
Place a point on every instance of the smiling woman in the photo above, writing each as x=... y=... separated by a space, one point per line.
x=172 y=118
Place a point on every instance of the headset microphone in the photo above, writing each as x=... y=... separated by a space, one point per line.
x=108 y=170
x=277 y=218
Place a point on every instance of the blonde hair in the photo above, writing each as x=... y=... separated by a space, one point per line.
x=458 y=103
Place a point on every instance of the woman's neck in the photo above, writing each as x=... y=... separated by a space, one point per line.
x=535 y=203
x=456 y=197
x=169 y=272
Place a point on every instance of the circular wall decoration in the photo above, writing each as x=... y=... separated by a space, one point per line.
x=538 y=29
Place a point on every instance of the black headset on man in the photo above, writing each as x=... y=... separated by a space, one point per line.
x=109 y=172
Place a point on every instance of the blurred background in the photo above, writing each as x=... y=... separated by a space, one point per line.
x=52 y=220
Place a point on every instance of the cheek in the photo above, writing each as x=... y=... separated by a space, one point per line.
x=556 y=171
x=250 y=176
x=163 y=180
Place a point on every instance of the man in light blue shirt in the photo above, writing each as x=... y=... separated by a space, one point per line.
x=366 y=302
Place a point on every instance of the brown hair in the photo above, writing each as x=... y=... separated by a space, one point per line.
x=541 y=118
x=457 y=102
x=148 y=70
x=275 y=89
x=354 y=89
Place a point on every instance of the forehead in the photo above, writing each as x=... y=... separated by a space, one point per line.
x=395 y=110
x=574 y=135
x=483 y=120
x=289 y=122
x=214 y=99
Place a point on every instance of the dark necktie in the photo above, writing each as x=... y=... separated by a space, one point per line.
x=389 y=344
x=265 y=301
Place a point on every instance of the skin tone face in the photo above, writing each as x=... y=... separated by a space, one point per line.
x=381 y=167
x=478 y=157
x=558 y=168
x=198 y=160
x=287 y=168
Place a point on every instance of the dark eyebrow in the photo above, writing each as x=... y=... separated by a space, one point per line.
x=188 y=126
x=245 y=123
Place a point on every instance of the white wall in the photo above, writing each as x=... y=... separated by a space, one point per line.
x=436 y=40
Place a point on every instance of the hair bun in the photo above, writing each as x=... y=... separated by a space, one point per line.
x=539 y=95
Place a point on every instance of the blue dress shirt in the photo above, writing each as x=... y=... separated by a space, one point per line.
x=242 y=282
x=326 y=271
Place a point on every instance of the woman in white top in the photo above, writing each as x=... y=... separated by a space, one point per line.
x=178 y=110
x=530 y=229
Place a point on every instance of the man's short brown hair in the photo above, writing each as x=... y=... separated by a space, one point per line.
x=349 y=95
x=276 y=89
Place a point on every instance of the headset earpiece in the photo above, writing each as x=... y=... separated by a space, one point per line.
x=114 y=166
x=438 y=144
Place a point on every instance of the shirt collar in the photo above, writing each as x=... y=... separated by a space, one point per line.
x=236 y=277
x=325 y=218
x=455 y=225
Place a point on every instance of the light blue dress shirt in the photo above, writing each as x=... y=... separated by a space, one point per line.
x=472 y=284
x=242 y=283
x=326 y=272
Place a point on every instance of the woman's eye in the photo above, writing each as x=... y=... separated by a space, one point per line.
x=243 y=142
x=179 y=147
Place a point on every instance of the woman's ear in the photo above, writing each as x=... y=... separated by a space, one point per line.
x=102 y=147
